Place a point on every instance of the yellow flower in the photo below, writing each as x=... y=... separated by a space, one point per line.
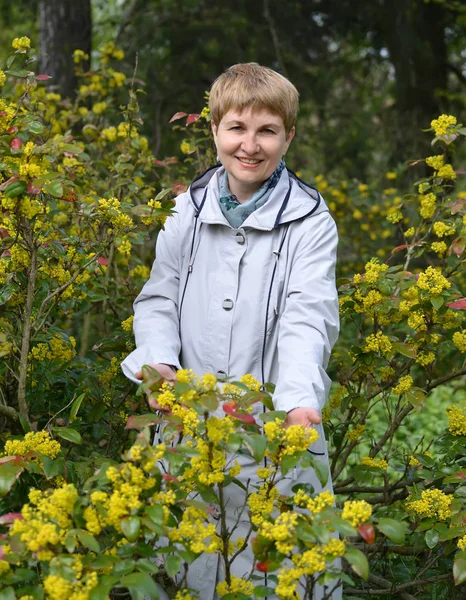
x=441 y=229
x=33 y=442
x=2 y=78
x=404 y=385
x=433 y=503
x=237 y=586
x=127 y=325
x=443 y=124
x=462 y=543
x=79 y=56
x=439 y=248
x=378 y=463
x=378 y=342
x=436 y=162
x=356 y=512
x=410 y=232
x=356 y=433
x=446 y=172
x=99 y=108
x=456 y=420
x=432 y=281
x=391 y=175
x=425 y=358
x=22 y=43
x=427 y=208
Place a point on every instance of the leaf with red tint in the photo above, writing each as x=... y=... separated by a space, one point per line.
x=244 y=417
x=178 y=115
x=69 y=196
x=159 y=163
x=458 y=206
x=10 y=518
x=458 y=246
x=178 y=188
x=229 y=407
x=13 y=129
x=32 y=189
x=169 y=477
x=141 y=421
x=415 y=162
x=263 y=565
x=6 y=183
x=16 y=144
x=4 y=233
x=102 y=261
x=43 y=77
x=367 y=532
x=458 y=304
x=398 y=248
x=192 y=118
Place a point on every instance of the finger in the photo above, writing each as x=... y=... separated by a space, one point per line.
x=139 y=375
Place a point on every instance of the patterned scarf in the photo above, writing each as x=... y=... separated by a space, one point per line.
x=235 y=212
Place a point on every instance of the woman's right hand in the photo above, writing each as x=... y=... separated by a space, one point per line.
x=169 y=374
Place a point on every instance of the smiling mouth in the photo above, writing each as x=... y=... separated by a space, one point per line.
x=248 y=161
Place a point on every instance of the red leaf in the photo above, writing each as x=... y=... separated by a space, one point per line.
x=244 y=417
x=229 y=407
x=9 y=518
x=398 y=248
x=4 y=233
x=178 y=115
x=192 y=118
x=458 y=246
x=69 y=196
x=6 y=183
x=43 y=77
x=13 y=129
x=367 y=532
x=169 y=477
x=458 y=304
x=415 y=162
x=263 y=565
x=458 y=206
x=159 y=163
x=16 y=144
x=32 y=189
x=102 y=261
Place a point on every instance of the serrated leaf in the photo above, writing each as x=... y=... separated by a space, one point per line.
x=358 y=562
x=342 y=526
x=172 y=565
x=321 y=470
x=416 y=398
x=103 y=589
x=9 y=473
x=393 y=529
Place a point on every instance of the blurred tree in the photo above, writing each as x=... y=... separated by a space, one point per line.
x=65 y=25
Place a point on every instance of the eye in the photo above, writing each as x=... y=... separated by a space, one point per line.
x=269 y=131
x=235 y=128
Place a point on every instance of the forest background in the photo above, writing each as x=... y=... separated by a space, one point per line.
x=81 y=208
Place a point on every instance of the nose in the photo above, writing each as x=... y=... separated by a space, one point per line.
x=249 y=144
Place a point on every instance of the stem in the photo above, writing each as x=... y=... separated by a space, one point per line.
x=224 y=533
x=26 y=339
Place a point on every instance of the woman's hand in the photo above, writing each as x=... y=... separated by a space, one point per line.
x=169 y=374
x=306 y=416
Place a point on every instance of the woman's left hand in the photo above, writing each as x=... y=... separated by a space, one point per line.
x=306 y=416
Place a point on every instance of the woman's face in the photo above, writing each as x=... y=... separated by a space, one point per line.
x=250 y=145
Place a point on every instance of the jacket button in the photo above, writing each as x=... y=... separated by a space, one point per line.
x=227 y=304
x=221 y=375
x=240 y=238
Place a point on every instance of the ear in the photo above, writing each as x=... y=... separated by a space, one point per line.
x=289 y=137
x=214 y=130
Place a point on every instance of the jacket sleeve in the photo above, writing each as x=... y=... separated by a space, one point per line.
x=156 y=324
x=309 y=324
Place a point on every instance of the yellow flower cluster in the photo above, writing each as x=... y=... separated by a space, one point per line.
x=188 y=416
x=2 y=78
x=427 y=208
x=109 y=209
x=22 y=43
x=459 y=339
x=127 y=324
x=446 y=172
x=378 y=342
x=456 y=420
x=196 y=532
x=433 y=503
x=140 y=271
x=46 y=520
x=404 y=385
x=432 y=281
x=436 y=162
x=261 y=503
x=378 y=463
x=295 y=438
x=208 y=466
x=442 y=229
x=443 y=124
x=57 y=587
x=462 y=543
x=281 y=532
x=237 y=586
x=356 y=433
x=57 y=349
x=425 y=358
x=79 y=56
x=108 y=51
x=314 y=505
x=439 y=248
x=356 y=512
x=4 y=567
x=33 y=442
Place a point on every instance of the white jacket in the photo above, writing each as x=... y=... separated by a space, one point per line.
x=260 y=299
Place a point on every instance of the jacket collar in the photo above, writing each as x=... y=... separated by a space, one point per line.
x=292 y=199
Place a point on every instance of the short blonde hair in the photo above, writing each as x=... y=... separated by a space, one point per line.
x=249 y=85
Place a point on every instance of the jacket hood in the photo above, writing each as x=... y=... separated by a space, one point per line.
x=291 y=200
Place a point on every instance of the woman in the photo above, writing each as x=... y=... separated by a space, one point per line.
x=244 y=280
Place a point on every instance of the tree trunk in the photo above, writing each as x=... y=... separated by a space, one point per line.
x=65 y=26
x=414 y=34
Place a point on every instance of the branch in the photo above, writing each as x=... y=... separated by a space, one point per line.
x=389 y=589
x=9 y=412
x=457 y=71
x=445 y=378
x=274 y=36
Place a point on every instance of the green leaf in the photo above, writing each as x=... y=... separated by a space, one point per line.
x=9 y=473
x=6 y=291
x=358 y=562
x=36 y=127
x=75 y=407
x=404 y=349
x=131 y=526
x=437 y=302
x=272 y=415
x=262 y=591
x=7 y=594
x=15 y=189
x=393 y=529
x=267 y=402
x=155 y=514
x=141 y=421
x=54 y=188
x=306 y=533
x=459 y=571
x=161 y=195
x=103 y=589
x=256 y=444
x=321 y=470
x=342 y=526
x=87 y=540
x=147 y=566
x=140 y=582
x=288 y=462
x=451 y=533
x=172 y=565
x=52 y=466
x=416 y=397
x=73 y=148
x=432 y=538
x=69 y=434
x=103 y=561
